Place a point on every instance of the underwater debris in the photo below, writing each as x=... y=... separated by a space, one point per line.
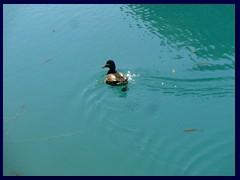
x=191 y=130
x=48 y=138
x=6 y=118
x=173 y=70
x=20 y=112
x=46 y=61
x=16 y=174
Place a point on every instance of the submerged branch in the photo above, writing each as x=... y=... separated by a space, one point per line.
x=48 y=138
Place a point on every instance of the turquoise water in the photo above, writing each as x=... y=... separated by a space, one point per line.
x=177 y=118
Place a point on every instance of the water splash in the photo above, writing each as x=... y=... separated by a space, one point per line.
x=131 y=76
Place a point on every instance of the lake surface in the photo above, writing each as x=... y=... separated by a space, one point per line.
x=176 y=119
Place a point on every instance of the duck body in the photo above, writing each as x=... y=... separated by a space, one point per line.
x=114 y=77
x=117 y=79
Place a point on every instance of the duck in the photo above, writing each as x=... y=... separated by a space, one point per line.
x=114 y=77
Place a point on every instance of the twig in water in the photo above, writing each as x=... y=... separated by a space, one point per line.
x=49 y=138
x=191 y=130
x=46 y=61
x=20 y=112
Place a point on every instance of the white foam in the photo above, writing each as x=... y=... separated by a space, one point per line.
x=131 y=76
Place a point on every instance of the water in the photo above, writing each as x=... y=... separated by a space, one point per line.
x=177 y=118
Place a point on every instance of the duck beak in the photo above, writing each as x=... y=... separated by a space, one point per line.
x=106 y=65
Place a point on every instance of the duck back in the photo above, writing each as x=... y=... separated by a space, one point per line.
x=116 y=78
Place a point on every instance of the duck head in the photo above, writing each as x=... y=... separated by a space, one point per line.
x=111 y=65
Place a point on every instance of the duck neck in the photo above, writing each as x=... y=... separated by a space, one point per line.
x=111 y=71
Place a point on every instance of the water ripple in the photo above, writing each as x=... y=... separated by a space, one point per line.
x=147 y=137
x=212 y=86
x=186 y=27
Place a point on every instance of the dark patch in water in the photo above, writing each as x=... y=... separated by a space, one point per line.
x=13 y=119
x=191 y=130
x=16 y=174
x=46 y=61
x=125 y=89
